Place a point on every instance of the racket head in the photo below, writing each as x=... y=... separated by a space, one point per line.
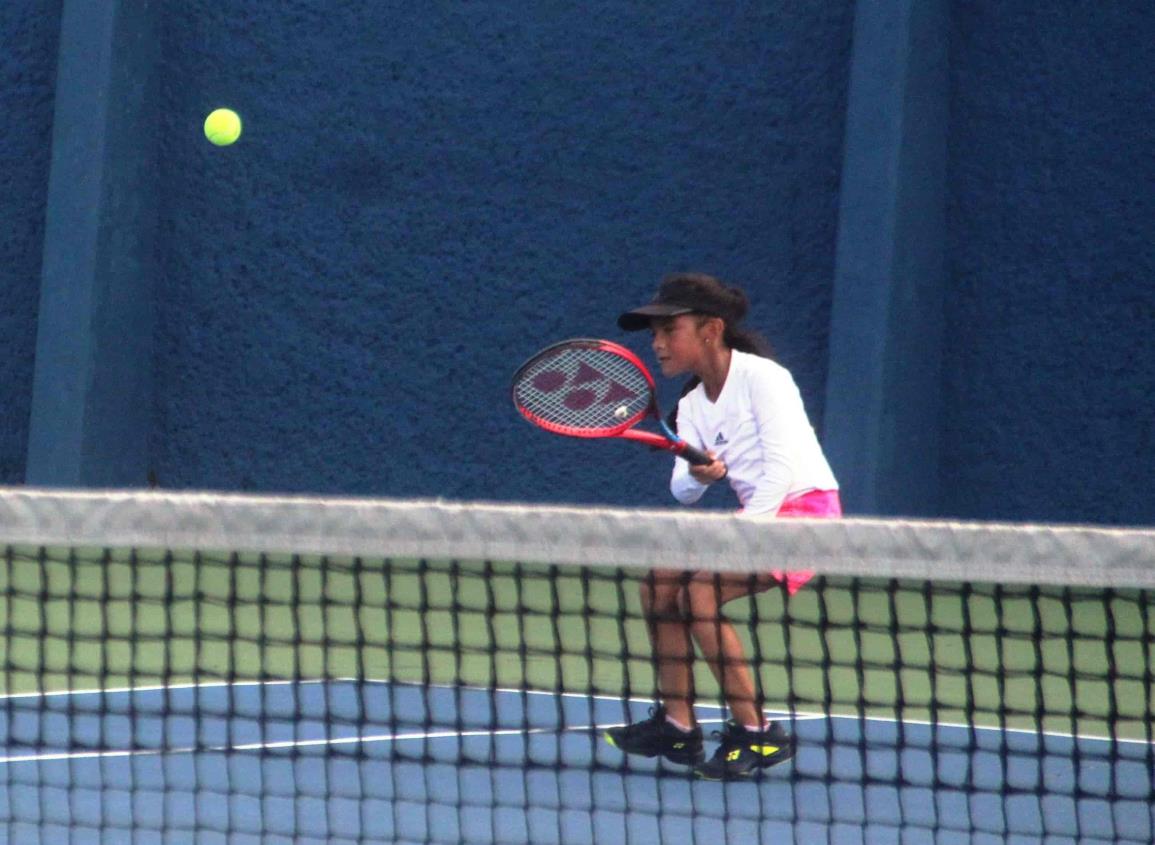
x=580 y=387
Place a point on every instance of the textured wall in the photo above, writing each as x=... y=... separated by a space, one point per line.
x=28 y=36
x=424 y=197
x=1051 y=319
x=427 y=193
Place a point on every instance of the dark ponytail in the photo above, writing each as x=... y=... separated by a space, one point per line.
x=745 y=340
x=732 y=306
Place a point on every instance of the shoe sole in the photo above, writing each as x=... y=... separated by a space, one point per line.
x=768 y=762
x=688 y=760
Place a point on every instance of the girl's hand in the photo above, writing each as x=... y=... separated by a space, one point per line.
x=709 y=473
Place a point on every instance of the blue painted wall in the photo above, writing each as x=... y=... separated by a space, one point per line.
x=1050 y=389
x=424 y=197
x=29 y=30
x=427 y=193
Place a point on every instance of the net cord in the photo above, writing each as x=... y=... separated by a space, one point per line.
x=633 y=538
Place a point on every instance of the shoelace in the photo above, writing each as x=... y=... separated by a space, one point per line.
x=656 y=714
x=722 y=735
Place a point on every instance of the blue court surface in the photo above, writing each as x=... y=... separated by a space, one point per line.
x=344 y=762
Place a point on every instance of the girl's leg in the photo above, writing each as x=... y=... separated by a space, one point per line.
x=670 y=731
x=720 y=644
x=665 y=606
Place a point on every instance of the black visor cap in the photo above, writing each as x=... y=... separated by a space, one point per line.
x=679 y=295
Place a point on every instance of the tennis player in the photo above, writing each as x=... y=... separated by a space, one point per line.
x=745 y=411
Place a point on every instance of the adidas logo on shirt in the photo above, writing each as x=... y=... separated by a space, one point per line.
x=720 y=440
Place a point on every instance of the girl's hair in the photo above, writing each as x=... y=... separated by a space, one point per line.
x=714 y=298
x=730 y=304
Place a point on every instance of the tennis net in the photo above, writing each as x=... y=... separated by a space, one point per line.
x=193 y=667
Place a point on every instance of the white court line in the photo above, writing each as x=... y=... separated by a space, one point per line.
x=284 y=744
x=797 y=716
x=160 y=688
x=448 y=734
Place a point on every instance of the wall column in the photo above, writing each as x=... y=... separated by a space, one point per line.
x=882 y=419
x=92 y=387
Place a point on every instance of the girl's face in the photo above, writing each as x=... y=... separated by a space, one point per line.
x=679 y=343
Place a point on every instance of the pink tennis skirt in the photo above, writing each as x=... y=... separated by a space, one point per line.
x=812 y=504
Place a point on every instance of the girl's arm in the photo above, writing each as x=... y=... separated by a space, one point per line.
x=771 y=401
x=683 y=485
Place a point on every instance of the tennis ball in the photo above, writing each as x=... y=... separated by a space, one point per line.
x=223 y=127
x=622 y=412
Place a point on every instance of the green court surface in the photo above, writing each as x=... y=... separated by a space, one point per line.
x=1071 y=661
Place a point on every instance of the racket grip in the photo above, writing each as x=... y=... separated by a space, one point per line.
x=694 y=455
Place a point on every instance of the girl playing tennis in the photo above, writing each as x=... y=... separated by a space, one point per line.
x=746 y=412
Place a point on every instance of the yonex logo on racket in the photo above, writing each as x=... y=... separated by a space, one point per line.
x=584 y=388
x=594 y=388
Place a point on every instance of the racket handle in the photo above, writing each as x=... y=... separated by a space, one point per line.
x=692 y=454
x=670 y=443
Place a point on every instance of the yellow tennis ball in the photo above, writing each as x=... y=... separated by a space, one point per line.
x=223 y=127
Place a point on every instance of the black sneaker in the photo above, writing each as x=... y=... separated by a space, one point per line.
x=655 y=736
x=743 y=752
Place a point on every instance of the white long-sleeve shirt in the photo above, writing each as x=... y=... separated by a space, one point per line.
x=759 y=428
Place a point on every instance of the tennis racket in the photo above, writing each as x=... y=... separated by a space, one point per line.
x=594 y=388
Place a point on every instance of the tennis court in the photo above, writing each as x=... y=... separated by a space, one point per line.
x=354 y=761
x=159 y=688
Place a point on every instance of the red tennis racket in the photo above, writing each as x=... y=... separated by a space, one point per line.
x=594 y=388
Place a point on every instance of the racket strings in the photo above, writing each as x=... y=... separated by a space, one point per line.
x=583 y=388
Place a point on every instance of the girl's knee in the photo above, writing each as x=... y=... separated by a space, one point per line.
x=704 y=589
x=711 y=591
x=661 y=600
x=703 y=601
x=657 y=600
